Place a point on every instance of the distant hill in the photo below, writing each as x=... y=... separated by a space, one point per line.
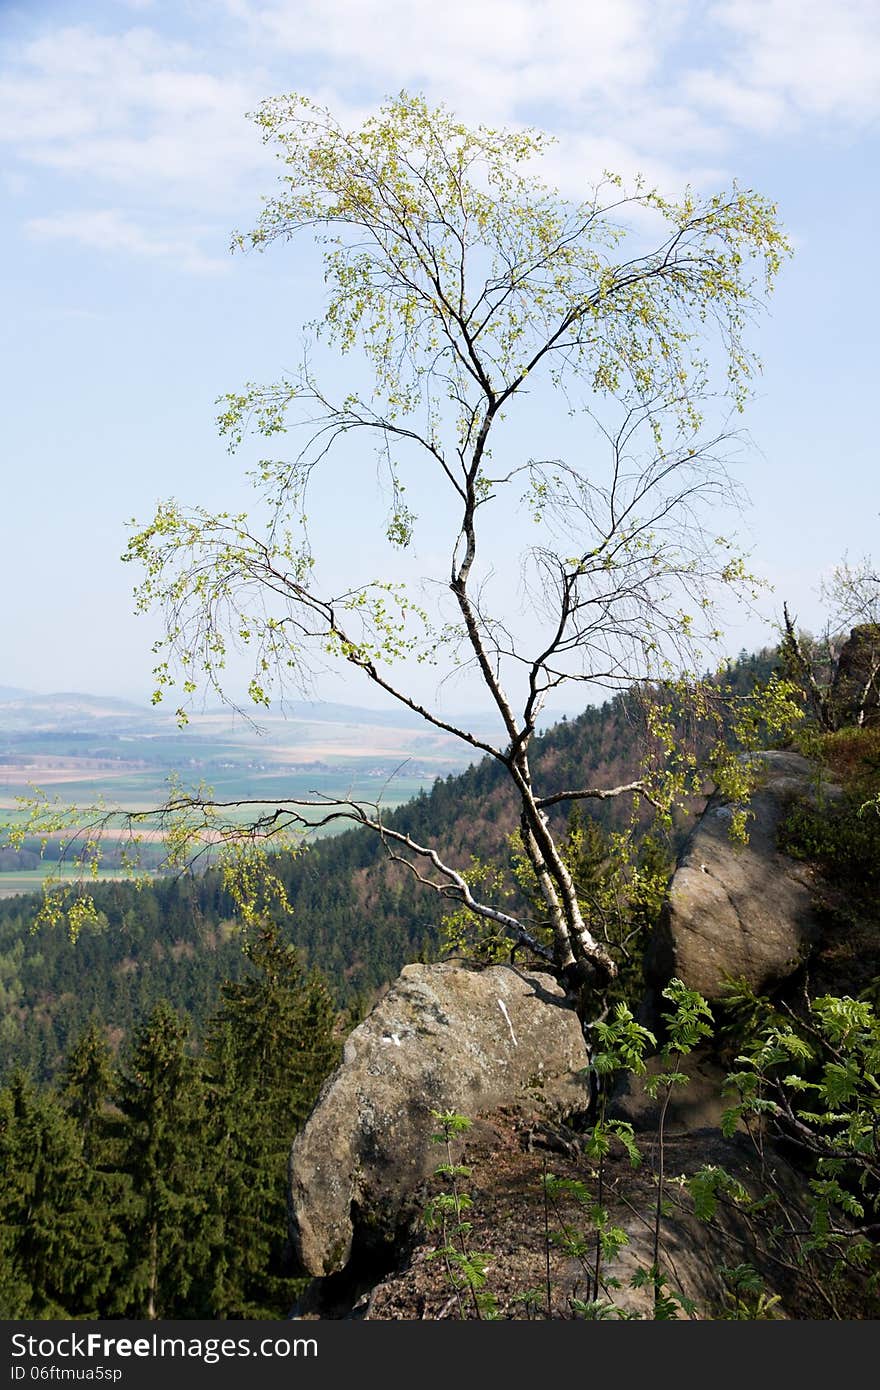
x=81 y=710
x=66 y=710
x=355 y=916
x=79 y=699
x=90 y=747
x=28 y=709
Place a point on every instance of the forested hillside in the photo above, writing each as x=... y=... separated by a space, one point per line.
x=152 y=1184
x=355 y=916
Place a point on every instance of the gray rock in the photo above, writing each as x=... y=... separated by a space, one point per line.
x=699 y=1105
x=740 y=911
x=444 y=1037
x=855 y=690
x=694 y=1253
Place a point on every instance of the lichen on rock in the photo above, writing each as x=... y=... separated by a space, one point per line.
x=444 y=1037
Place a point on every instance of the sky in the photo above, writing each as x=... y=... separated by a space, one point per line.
x=127 y=160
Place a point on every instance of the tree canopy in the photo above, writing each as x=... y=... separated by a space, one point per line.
x=470 y=293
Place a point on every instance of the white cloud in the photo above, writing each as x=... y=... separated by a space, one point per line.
x=576 y=163
x=596 y=73
x=153 y=121
x=600 y=59
x=140 y=118
x=820 y=57
x=131 y=108
x=738 y=101
x=490 y=59
x=109 y=230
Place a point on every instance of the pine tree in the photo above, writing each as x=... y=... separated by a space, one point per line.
x=86 y=1088
x=588 y=856
x=59 y=1243
x=163 y=1150
x=269 y=1047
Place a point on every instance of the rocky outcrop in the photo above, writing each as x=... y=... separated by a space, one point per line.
x=734 y=910
x=505 y=1048
x=855 y=690
x=444 y=1037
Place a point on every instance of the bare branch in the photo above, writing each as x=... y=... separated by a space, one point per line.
x=600 y=794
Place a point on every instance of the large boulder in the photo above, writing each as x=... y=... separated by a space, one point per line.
x=444 y=1037
x=740 y=910
x=855 y=690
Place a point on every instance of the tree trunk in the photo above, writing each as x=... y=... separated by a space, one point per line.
x=582 y=961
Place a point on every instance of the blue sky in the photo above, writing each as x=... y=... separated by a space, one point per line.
x=127 y=160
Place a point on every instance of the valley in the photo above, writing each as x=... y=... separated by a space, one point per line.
x=88 y=750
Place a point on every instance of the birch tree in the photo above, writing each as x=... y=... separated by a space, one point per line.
x=466 y=291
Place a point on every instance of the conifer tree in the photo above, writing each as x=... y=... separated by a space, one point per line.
x=59 y=1244
x=86 y=1088
x=269 y=1047
x=169 y=1165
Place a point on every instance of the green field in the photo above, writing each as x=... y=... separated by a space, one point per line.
x=143 y=790
x=139 y=790
x=83 y=752
x=31 y=881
